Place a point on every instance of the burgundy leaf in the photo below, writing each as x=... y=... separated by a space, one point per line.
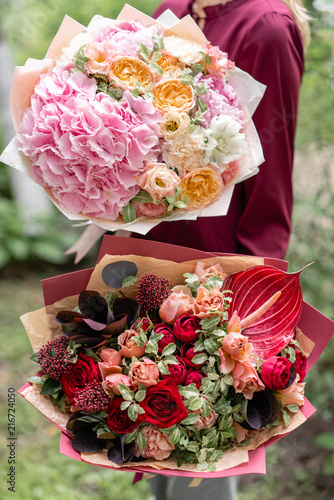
x=94 y=306
x=252 y=288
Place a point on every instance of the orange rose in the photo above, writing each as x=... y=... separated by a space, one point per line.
x=125 y=71
x=208 y=301
x=111 y=360
x=111 y=383
x=203 y=272
x=169 y=62
x=129 y=347
x=201 y=187
x=246 y=380
x=238 y=347
x=144 y=372
x=172 y=95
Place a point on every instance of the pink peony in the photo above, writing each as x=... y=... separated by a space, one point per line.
x=85 y=148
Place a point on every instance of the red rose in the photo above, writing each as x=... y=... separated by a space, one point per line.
x=275 y=372
x=194 y=377
x=81 y=373
x=118 y=420
x=167 y=332
x=163 y=405
x=187 y=354
x=177 y=372
x=186 y=328
x=300 y=365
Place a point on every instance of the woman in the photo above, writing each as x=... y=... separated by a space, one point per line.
x=266 y=38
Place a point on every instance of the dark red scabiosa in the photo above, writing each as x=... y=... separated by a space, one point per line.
x=168 y=335
x=152 y=292
x=187 y=328
x=118 y=420
x=54 y=358
x=91 y=398
x=177 y=372
x=187 y=354
x=194 y=377
x=81 y=374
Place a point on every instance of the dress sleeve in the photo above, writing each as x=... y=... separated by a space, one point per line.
x=273 y=55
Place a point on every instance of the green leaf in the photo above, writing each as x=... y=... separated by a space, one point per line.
x=129 y=213
x=192 y=446
x=174 y=437
x=158 y=42
x=169 y=349
x=131 y=437
x=128 y=281
x=163 y=368
x=132 y=412
x=286 y=418
x=198 y=359
x=171 y=360
x=92 y=354
x=195 y=404
x=293 y=408
x=189 y=391
x=197 y=68
x=126 y=393
x=140 y=396
x=223 y=407
x=191 y=419
x=36 y=380
x=156 y=68
x=216 y=456
x=211 y=346
x=206 y=409
x=143 y=197
x=156 y=56
x=141 y=441
x=50 y=386
x=144 y=52
x=125 y=405
x=152 y=347
x=209 y=324
x=34 y=357
x=80 y=59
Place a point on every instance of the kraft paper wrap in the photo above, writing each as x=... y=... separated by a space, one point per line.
x=42 y=327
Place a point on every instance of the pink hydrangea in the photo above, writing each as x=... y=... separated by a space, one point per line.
x=87 y=149
x=221 y=99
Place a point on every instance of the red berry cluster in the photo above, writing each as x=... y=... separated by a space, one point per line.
x=54 y=358
x=91 y=398
x=152 y=292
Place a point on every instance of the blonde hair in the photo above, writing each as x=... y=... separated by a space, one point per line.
x=301 y=17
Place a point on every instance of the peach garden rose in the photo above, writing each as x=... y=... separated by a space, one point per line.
x=201 y=187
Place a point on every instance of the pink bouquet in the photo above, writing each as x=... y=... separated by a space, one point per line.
x=182 y=367
x=130 y=121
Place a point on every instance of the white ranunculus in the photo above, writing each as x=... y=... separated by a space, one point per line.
x=225 y=142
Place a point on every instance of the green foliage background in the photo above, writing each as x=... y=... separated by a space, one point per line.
x=28 y=26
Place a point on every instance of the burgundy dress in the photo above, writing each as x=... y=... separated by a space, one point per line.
x=261 y=37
